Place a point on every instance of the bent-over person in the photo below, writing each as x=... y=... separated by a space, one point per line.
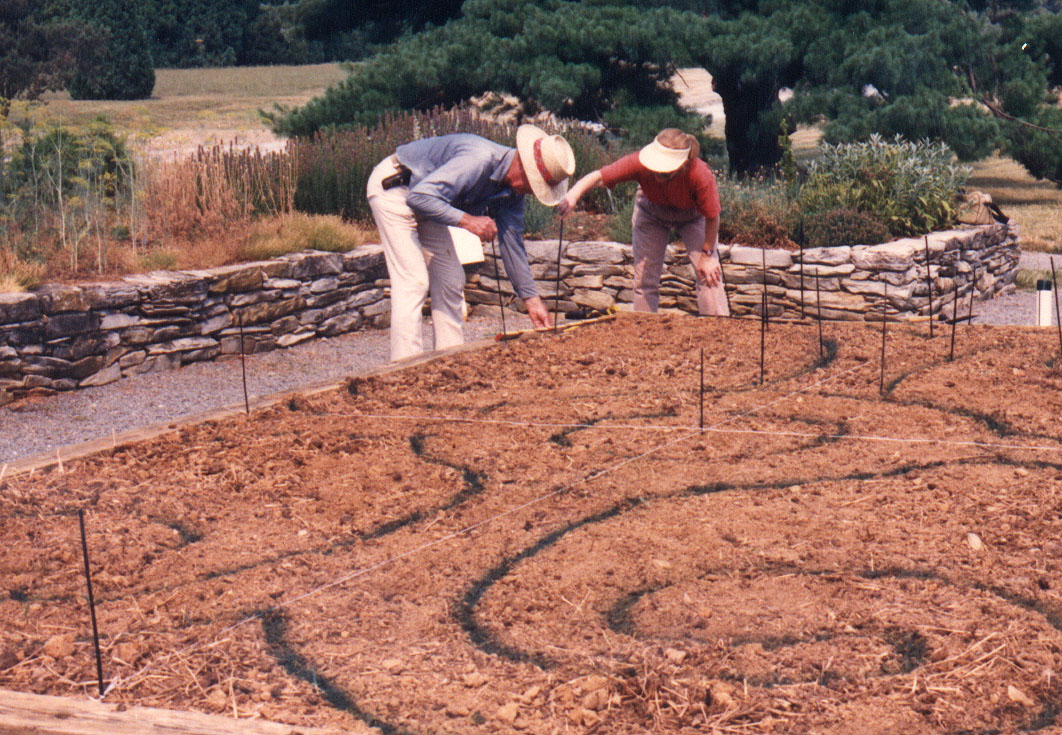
x=467 y=181
x=676 y=191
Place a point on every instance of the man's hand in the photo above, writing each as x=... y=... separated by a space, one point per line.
x=536 y=309
x=709 y=271
x=482 y=227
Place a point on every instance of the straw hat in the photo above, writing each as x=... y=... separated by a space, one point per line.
x=663 y=160
x=548 y=161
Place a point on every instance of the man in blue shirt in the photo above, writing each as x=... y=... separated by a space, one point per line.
x=453 y=180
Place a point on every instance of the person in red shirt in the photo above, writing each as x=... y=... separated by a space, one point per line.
x=676 y=191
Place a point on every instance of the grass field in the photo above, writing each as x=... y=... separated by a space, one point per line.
x=193 y=107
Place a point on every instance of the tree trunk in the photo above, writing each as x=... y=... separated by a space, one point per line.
x=753 y=115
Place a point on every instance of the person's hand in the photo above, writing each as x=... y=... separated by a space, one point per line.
x=709 y=270
x=540 y=316
x=482 y=227
x=567 y=204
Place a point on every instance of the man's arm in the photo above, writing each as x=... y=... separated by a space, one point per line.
x=510 y=217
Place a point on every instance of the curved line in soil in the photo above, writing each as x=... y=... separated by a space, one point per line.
x=275 y=628
x=484 y=639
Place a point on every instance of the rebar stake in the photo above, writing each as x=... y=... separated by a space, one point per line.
x=802 y=282
x=702 y=392
x=1058 y=318
x=973 y=293
x=954 y=322
x=497 y=277
x=929 y=285
x=884 y=306
x=763 y=334
x=243 y=367
x=556 y=290
x=91 y=600
x=818 y=306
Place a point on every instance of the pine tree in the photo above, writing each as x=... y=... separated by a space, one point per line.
x=121 y=67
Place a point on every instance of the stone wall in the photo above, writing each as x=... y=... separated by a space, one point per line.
x=852 y=281
x=67 y=337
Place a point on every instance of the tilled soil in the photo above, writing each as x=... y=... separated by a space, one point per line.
x=540 y=537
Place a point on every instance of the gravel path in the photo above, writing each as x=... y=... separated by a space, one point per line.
x=42 y=425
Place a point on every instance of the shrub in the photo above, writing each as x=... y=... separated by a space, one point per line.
x=910 y=187
x=843 y=226
x=758 y=212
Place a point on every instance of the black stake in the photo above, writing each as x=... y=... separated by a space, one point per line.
x=763 y=255
x=973 y=292
x=497 y=276
x=929 y=284
x=954 y=321
x=243 y=367
x=556 y=294
x=91 y=600
x=818 y=305
x=1054 y=287
x=763 y=335
x=702 y=390
x=802 y=282
x=884 y=306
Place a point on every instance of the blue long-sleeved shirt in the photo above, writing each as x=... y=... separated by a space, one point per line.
x=455 y=174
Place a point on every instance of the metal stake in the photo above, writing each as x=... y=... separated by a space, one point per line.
x=884 y=305
x=1054 y=287
x=818 y=305
x=497 y=276
x=91 y=600
x=702 y=391
x=243 y=367
x=929 y=284
x=954 y=322
x=801 y=281
x=556 y=293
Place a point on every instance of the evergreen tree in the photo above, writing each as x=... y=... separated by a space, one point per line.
x=36 y=54
x=121 y=67
x=937 y=69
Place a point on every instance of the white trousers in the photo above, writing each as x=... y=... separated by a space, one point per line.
x=420 y=259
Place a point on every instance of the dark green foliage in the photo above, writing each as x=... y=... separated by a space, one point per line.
x=843 y=226
x=36 y=54
x=571 y=58
x=893 y=66
x=1038 y=149
x=198 y=33
x=120 y=67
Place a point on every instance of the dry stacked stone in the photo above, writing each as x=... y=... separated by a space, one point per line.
x=67 y=337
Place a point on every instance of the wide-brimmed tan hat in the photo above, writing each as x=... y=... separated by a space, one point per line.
x=548 y=162
x=661 y=159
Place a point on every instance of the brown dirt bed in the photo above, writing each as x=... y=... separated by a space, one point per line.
x=537 y=537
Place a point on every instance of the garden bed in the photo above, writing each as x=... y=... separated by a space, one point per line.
x=538 y=536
